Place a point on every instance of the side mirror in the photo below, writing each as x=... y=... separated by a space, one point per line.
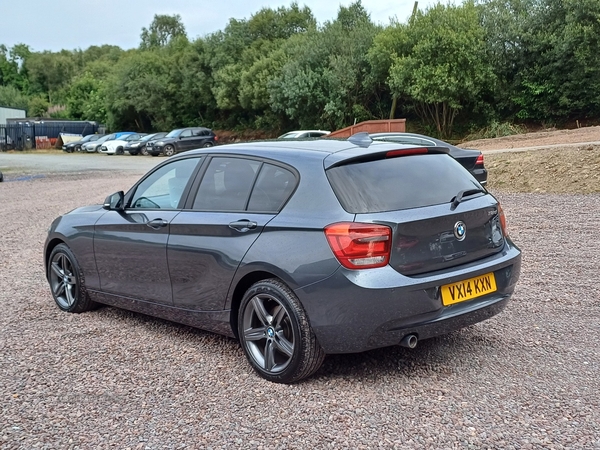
x=115 y=202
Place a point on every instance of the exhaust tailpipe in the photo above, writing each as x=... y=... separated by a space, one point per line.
x=409 y=341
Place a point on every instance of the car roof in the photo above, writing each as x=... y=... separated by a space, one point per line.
x=333 y=151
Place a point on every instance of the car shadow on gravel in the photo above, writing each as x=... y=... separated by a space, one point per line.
x=440 y=356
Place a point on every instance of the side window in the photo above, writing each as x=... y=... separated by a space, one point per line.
x=200 y=133
x=272 y=189
x=186 y=134
x=226 y=185
x=163 y=188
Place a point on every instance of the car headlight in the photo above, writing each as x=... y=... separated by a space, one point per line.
x=160 y=143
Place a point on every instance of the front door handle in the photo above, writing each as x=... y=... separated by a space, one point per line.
x=157 y=223
x=243 y=225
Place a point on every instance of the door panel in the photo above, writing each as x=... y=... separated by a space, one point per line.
x=131 y=254
x=204 y=252
x=131 y=246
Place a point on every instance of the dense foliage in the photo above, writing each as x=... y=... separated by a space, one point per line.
x=448 y=66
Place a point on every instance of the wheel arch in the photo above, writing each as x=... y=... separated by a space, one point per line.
x=49 y=247
x=240 y=289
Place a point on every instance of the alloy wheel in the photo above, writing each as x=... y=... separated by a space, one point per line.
x=63 y=280
x=268 y=334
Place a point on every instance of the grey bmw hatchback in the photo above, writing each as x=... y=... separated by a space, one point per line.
x=298 y=249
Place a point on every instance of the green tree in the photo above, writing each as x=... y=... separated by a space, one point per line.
x=49 y=73
x=545 y=53
x=325 y=81
x=38 y=106
x=441 y=65
x=10 y=96
x=12 y=71
x=161 y=31
x=86 y=98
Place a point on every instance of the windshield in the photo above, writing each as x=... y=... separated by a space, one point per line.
x=290 y=135
x=174 y=133
x=106 y=138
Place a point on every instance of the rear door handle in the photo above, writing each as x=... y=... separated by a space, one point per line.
x=243 y=225
x=157 y=223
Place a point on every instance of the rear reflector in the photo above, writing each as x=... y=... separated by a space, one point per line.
x=360 y=245
x=502 y=218
x=407 y=152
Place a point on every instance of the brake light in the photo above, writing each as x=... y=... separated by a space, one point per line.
x=502 y=218
x=479 y=160
x=407 y=152
x=360 y=245
x=216 y=137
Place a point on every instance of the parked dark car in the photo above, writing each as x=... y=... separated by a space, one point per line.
x=472 y=160
x=182 y=140
x=298 y=249
x=76 y=145
x=139 y=146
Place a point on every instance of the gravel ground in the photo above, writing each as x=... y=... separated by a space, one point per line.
x=527 y=378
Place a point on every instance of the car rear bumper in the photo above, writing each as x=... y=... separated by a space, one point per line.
x=360 y=311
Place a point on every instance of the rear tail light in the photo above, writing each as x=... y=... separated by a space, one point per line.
x=502 y=218
x=479 y=160
x=360 y=245
x=216 y=137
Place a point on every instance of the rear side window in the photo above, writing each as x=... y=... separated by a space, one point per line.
x=239 y=184
x=226 y=185
x=272 y=189
x=399 y=183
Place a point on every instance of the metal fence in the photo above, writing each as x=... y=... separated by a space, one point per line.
x=27 y=136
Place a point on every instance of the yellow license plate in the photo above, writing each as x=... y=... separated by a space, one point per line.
x=468 y=289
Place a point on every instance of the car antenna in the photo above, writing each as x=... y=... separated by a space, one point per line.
x=361 y=139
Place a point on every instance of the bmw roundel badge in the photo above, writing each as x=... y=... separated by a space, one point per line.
x=460 y=230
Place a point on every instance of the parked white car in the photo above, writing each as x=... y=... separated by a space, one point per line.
x=117 y=146
x=304 y=134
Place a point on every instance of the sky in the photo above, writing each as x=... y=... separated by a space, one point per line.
x=67 y=24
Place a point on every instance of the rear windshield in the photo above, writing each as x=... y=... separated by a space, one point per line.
x=399 y=183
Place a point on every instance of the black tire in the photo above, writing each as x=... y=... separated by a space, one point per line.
x=78 y=148
x=133 y=152
x=67 y=282
x=120 y=151
x=145 y=151
x=275 y=333
x=207 y=144
x=169 y=150
x=1 y=177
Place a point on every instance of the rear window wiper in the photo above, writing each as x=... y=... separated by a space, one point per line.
x=456 y=200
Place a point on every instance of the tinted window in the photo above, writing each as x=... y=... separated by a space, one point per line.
x=186 y=133
x=173 y=133
x=273 y=187
x=399 y=183
x=226 y=185
x=164 y=187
